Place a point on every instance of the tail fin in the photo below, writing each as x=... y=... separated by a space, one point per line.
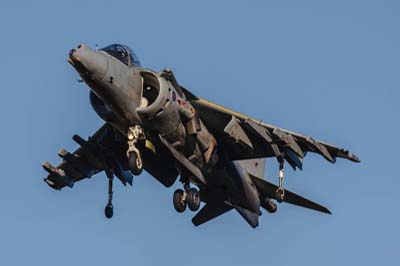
x=254 y=167
x=267 y=189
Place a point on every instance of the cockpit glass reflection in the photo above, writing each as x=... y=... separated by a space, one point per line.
x=123 y=53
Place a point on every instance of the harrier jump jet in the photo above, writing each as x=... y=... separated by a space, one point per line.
x=154 y=123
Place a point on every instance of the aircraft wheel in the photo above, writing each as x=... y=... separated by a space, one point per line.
x=178 y=200
x=279 y=195
x=193 y=199
x=108 y=211
x=270 y=206
x=135 y=163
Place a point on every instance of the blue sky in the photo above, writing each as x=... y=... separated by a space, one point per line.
x=329 y=70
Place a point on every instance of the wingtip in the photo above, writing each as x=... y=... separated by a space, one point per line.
x=353 y=157
x=327 y=211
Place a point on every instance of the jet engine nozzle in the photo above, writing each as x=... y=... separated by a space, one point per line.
x=88 y=62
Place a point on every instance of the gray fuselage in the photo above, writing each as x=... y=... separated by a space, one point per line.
x=133 y=95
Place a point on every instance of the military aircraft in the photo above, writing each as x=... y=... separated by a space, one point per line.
x=154 y=123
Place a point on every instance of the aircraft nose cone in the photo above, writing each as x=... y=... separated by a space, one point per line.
x=71 y=53
x=88 y=62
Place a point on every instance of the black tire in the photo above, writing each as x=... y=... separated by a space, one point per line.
x=108 y=211
x=179 y=203
x=135 y=164
x=279 y=195
x=193 y=199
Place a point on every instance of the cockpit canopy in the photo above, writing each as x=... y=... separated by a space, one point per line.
x=123 y=53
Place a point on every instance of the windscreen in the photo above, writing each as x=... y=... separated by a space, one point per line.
x=123 y=53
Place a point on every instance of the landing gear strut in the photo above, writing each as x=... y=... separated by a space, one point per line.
x=280 y=192
x=108 y=211
x=135 y=133
x=189 y=197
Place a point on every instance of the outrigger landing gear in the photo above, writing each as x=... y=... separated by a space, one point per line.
x=108 y=211
x=189 y=197
x=280 y=192
x=135 y=133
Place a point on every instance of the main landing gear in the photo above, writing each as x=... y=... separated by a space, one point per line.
x=188 y=197
x=135 y=133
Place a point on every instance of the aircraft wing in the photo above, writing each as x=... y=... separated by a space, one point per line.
x=99 y=153
x=105 y=151
x=247 y=138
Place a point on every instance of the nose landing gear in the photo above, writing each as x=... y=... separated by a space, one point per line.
x=135 y=133
x=135 y=163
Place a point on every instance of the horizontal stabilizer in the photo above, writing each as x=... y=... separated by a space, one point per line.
x=267 y=189
x=209 y=212
x=250 y=217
